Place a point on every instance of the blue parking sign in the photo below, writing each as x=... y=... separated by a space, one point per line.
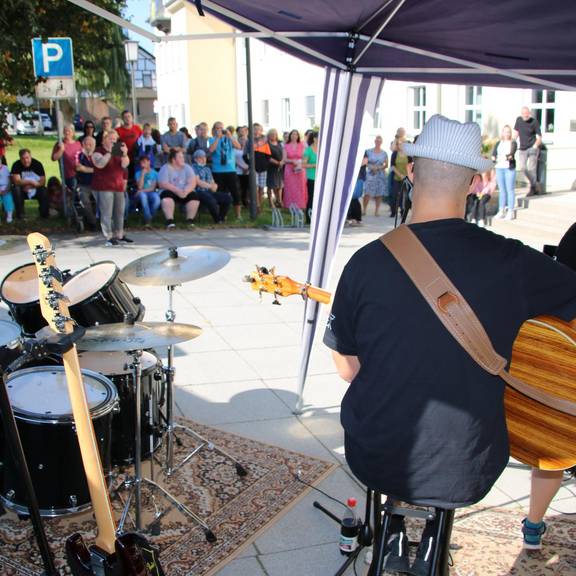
x=53 y=57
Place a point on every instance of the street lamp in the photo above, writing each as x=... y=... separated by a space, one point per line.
x=131 y=49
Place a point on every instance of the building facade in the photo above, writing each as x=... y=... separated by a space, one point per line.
x=206 y=80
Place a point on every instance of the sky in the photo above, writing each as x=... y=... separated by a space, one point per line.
x=138 y=11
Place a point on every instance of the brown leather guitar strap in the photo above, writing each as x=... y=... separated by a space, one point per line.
x=455 y=313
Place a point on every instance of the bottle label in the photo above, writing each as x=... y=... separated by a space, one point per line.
x=348 y=543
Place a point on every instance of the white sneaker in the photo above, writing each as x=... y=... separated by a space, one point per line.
x=480 y=223
x=510 y=215
x=9 y=219
x=500 y=213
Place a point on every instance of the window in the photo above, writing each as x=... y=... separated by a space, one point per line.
x=310 y=109
x=473 y=104
x=285 y=114
x=418 y=107
x=266 y=112
x=544 y=108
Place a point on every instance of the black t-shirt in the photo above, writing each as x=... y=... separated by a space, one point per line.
x=527 y=131
x=423 y=422
x=566 y=252
x=33 y=172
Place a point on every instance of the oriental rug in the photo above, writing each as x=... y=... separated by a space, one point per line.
x=235 y=508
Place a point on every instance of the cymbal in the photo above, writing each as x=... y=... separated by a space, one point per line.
x=9 y=332
x=173 y=266
x=124 y=337
x=12 y=244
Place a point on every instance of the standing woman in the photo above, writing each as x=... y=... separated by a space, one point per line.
x=295 y=194
x=89 y=130
x=505 y=164
x=274 y=174
x=376 y=162
x=399 y=165
x=68 y=149
x=310 y=161
x=110 y=162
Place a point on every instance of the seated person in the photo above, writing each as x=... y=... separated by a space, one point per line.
x=55 y=196
x=178 y=184
x=6 y=199
x=29 y=179
x=478 y=198
x=217 y=203
x=147 y=186
x=423 y=422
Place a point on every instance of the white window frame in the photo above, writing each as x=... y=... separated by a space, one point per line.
x=473 y=109
x=266 y=112
x=540 y=109
x=285 y=113
x=310 y=109
x=418 y=110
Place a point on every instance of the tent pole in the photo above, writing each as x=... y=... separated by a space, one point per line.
x=252 y=170
x=377 y=33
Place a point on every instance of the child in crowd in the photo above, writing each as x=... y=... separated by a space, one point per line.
x=147 y=184
x=5 y=194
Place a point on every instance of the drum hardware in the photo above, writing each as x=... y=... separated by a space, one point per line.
x=122 y=338
x=171 y=267
x=134 y=483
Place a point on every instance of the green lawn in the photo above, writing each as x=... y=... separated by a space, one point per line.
x=41 y=148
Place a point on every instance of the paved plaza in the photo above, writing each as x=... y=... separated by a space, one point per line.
x=240 y=375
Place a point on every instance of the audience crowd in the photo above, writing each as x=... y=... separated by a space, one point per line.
x=119 y=167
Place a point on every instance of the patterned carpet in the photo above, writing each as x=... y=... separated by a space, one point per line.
x=488 y=542
x=235 y=508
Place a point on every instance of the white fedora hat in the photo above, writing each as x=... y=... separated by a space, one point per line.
x=450 y=141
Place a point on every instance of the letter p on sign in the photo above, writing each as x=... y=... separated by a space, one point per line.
x=53 y=57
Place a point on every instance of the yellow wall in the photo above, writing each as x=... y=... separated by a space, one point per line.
x=212 y=70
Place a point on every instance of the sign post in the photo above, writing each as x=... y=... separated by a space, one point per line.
x=54 y=71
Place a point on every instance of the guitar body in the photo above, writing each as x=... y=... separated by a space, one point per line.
x=544 y=356
x=134 y=556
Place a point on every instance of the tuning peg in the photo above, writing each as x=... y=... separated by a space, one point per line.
x=273 y=271
x=60 y=321
x=42 y=254
x=54 y=299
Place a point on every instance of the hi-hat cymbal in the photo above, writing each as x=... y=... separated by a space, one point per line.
x=173 y=266
x=124 y=337
x=9 y=332
x=12 y=244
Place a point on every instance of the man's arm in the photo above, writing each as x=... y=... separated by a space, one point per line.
x=101 y=160
x=346 y=366
x=190 y=184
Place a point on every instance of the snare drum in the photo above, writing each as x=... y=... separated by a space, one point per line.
x=39 y=398
x=117 y=366
x=98 y=296
x=20 y=292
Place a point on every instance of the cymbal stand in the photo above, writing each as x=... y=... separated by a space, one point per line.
x=134 y=483
x=171 y=426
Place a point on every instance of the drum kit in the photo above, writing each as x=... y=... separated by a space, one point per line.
x=129 y=390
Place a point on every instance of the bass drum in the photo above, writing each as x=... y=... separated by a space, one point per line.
x=118 y=367
x=39 y=398
x=98 y=296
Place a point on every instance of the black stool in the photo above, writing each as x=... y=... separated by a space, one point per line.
x=382 y=517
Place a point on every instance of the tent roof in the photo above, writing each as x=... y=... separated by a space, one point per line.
x=448 y=41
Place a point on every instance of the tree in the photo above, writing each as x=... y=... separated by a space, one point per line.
x=99 y=59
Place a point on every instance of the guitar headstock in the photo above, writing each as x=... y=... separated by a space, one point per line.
x=264 y=280
x=53 y=303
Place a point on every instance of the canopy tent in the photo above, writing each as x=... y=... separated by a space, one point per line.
x=516 y=43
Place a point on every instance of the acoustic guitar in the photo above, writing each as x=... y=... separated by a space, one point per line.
x=124 y=555
x=543 y=356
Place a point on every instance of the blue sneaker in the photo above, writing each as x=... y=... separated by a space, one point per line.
x=532 y=534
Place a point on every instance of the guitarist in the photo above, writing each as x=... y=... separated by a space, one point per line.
x=423 y=422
